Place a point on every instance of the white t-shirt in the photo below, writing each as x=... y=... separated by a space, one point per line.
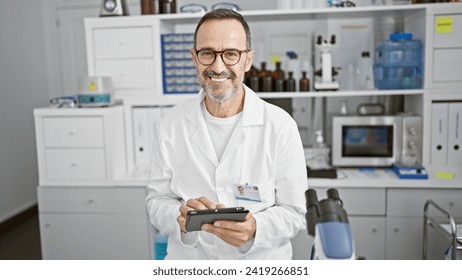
x=220 y=130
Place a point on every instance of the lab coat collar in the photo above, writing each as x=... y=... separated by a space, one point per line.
x=252 y=114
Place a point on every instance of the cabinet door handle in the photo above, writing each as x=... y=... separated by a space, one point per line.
x=74 y=164
x=47 y=225
x=91 y=200
x=374 y=230
x=72 y=132
x=451 y=204
x=396 y=230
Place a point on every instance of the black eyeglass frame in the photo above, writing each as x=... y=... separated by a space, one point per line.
x=216 y=53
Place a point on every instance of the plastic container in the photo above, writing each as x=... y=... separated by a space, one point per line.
x=161 y=241
x=398 y=63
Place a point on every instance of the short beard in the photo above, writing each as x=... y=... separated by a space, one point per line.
x=230 y=93
x=209 y=90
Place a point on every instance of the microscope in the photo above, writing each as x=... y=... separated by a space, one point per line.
x=327 y=221
x=325 y=81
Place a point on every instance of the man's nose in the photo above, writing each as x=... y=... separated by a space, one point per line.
x=218 y=65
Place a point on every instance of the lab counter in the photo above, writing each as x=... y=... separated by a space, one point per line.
x=349 y=178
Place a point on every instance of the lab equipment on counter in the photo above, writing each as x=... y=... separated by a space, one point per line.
x=410 y=172
x=114 y=8
x=326 y=74
x=64 y=102
x=450 y=230
x=398 y=63
x=95 y=91
x=327 y=222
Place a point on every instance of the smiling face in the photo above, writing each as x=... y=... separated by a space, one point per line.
x=220 y=81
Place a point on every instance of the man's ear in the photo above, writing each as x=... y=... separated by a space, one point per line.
x=192 y=51
x=249 y=60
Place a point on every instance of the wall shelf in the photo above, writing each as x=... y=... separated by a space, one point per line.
x=339 y=93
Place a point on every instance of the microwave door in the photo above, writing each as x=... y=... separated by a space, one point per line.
x=365 y=141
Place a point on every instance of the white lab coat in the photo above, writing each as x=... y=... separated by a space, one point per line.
x=265 y=150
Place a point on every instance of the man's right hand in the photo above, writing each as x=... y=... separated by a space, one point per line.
x=200 y=203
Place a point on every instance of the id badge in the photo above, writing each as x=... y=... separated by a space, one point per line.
x=247 y=192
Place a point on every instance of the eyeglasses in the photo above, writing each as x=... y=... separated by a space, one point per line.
x=229 y=57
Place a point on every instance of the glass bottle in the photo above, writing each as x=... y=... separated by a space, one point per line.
x=304 y=82
x=290 y=83
x=278 y=78
x=264 y=76
x=251 y=79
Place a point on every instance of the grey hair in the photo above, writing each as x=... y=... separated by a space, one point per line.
x=225 y=14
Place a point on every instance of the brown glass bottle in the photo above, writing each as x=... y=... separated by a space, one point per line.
x=264 y=76
x=251 y=79
x=290 y=83
x=304 y=82
x=278 y=78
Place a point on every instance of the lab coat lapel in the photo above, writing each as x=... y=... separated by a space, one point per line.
x=199 y=134
x=252 y=114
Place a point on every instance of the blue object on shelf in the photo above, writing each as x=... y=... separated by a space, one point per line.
x=179 y=75
x=398 y=63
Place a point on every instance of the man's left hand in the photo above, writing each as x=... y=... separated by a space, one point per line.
x=232 y=232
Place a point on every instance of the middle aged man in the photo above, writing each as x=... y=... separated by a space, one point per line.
x=225 y=139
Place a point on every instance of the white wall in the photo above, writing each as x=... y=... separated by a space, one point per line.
x=23 y=86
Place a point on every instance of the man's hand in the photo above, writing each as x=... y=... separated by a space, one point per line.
x=200 y=203
x=234 y=233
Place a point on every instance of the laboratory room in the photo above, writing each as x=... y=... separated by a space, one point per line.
x=231 y=130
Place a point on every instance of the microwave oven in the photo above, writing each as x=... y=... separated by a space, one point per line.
x=376 y=140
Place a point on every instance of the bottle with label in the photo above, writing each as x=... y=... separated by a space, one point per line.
x=365 y=72
x=278 y=78
x=304 y=82
x=290 y=83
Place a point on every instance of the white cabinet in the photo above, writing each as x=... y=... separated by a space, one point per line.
x=404 y=233
x=80 y=146
x=83 y=215
x=93 y=223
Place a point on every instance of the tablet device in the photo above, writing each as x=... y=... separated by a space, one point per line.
x=196 y=218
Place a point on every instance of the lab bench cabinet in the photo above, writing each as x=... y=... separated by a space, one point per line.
x=93 y=223
x=80 y=146
x=82 y=214
x=404 y=224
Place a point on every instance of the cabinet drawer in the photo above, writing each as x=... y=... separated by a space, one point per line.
x=91 y=200
x=128 y=74
x=448 y=37
x=360 y=201
x=75 y=164
x=73 y=132
x=447 y=65
x=123 y=42
x=410 y=202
